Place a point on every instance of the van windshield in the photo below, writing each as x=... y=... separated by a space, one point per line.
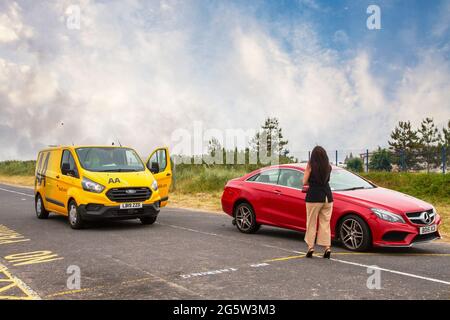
x=107 y=159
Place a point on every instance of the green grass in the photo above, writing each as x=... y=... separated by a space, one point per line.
x=17 y=168
x=433 y=187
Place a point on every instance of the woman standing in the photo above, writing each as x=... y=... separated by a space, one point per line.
x=319 y=201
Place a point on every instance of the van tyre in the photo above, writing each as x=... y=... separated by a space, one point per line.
x=41 y=213
x=245 y=218
x=354 y=233
x=148 y=220
x=75 y=219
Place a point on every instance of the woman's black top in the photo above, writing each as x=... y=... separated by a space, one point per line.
x=318 y=191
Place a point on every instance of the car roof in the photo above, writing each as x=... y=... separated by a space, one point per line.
x=301 y=166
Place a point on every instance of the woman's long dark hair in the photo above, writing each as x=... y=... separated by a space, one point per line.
x=320 y=165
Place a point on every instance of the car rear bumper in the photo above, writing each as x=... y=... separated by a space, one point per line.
x=94 y=211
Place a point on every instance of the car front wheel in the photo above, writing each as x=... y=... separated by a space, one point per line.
x=354 y=233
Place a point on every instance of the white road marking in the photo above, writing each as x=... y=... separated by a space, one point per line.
x=392 y=271
x=304 y=253
x=17 y=192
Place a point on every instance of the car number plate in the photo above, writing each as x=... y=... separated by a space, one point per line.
x=132 y=205
x=427 y=229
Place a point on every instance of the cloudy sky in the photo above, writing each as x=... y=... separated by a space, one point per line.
x=141 y=70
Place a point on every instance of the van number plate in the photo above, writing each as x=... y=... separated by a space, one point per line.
x=427 y=229
x=132 y=205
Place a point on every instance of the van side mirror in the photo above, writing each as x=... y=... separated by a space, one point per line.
x=154 y=168
x=305 y=188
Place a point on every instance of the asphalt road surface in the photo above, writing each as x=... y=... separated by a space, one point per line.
x=188 y=254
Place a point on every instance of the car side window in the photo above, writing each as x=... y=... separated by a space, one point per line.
x=291 y=178
x=69 y=161
x=269 y=176
x=160 y=158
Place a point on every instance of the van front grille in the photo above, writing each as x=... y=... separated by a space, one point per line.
x=129 y=194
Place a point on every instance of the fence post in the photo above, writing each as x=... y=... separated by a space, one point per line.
x=403 y=160
x=336 y=158
x=444 y=159
x=309 y=155
x=367 y=160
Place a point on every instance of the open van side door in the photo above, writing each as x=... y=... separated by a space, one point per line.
x=159 y=165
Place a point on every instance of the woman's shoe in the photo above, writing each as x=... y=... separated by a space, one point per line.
x=327 y=254
x=309 y=254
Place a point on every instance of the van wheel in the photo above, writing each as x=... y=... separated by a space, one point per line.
x=148 y=220
x=75 y=220
x=41 y=213
x=246 y=218
x=354 y=233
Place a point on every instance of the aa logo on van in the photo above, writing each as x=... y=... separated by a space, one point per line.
x=112 y=180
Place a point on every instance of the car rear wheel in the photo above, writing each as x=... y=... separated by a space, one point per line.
x=354 y=233
x=245 y=218
x=75 y=220
x=41 y=213
x=148 y=220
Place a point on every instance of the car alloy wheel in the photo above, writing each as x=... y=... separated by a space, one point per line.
x=352 y=234
x=244 y=218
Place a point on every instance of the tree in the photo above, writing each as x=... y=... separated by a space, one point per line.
x=446 y=135
x=272 y=137
x=404 y=142
x=214 y=146
x=429 y=139
x=381 y=160
x=355 y=164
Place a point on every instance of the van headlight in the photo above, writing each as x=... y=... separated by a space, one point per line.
x=89 y=185
x=155 y=185
x=387 y=215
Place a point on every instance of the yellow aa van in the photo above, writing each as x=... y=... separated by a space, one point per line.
x=101 y=182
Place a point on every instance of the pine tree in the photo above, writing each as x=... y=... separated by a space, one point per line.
x=404 y=142
x=429 y=139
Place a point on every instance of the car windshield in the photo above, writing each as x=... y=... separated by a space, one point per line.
x=341 y=180
x=107 y=159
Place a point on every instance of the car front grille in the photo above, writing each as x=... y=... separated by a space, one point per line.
x=422 y=217
x=129 y=194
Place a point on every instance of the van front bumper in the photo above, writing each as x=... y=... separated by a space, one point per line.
x=94 y=211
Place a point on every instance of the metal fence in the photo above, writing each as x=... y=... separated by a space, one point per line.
x=434 y=159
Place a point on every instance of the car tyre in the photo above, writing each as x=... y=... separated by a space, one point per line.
x=147 y=220
x=354 y=233
x=41 y=212
x=74 y=216
x=245 y=218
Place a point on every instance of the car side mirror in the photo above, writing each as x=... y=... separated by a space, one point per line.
x=305 y=188
x=154 y=168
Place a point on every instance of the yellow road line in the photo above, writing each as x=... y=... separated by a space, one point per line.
x=14 y=282
x=285 y=258
x=70 y=292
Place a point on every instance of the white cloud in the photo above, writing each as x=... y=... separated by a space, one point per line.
x=138 y=71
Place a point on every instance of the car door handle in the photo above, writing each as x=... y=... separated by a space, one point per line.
x=168 y=174
x=277 y=191
x=57 y=177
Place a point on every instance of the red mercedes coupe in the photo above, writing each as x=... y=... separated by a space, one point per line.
x=364 y=214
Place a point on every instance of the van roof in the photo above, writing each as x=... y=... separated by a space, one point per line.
x=81 y=146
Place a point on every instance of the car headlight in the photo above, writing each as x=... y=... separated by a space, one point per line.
x=387 y=215
x=155 y=185
x=89 y=185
